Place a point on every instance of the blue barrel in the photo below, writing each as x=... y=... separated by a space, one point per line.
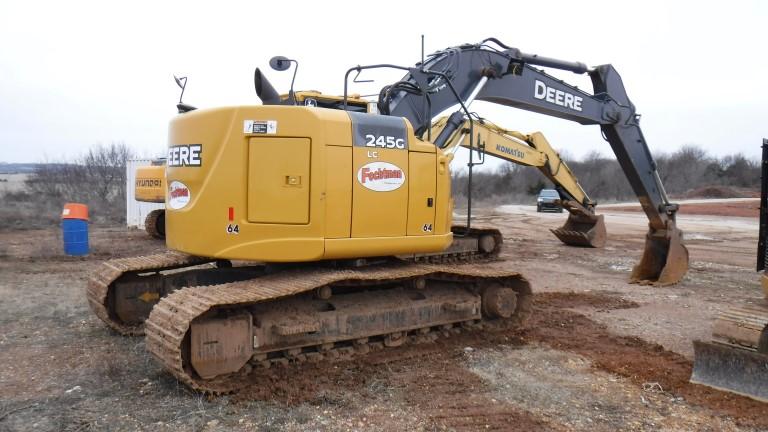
x=74 y=227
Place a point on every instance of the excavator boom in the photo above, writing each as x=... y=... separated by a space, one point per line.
x=583 y=227
x=494 y=72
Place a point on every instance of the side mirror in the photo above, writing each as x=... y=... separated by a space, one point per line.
x=280 y=63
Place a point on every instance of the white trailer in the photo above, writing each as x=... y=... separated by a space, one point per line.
x=136 y=211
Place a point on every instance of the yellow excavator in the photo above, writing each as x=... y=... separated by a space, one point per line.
x=150 y=187
x=323 y=229
x=582 y=228
x=736 y=359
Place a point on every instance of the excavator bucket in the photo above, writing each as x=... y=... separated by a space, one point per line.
x=732 y=369
x=665 y=258
x=583 y=228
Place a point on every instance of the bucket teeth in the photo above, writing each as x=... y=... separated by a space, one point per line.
x=583 y=228
x=573 y=238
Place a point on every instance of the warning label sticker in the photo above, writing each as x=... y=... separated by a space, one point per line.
x=260 y=126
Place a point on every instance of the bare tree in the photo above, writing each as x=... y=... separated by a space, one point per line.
x=97 y=178
x=683 y=172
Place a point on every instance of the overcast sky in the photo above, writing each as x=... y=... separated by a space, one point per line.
x=74 y=74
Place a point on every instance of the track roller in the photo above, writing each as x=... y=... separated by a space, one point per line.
x=499 y=302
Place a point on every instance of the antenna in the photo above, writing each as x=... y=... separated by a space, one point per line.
x=182 y=83
x=422 y=52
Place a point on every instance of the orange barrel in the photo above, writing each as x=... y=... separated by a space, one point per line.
x=74 y=226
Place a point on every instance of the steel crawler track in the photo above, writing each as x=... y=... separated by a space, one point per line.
x=741 y=327
x=151 y=224
x=169 y=323
x=100 y=282
x=100 y=291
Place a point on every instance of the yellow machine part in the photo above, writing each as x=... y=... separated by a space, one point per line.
x=150 y=180
x=736 y=358
x=288 y=184
x=583 y=227
x=302 y=98
x=529 y=150
x=150 y=184
x=764 y=285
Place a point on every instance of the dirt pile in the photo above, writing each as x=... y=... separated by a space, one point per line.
x=721 y=192
x=746 y=208
x=640 y=361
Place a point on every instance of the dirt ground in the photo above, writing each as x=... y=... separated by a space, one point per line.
x=727 y=207
x=598 y=354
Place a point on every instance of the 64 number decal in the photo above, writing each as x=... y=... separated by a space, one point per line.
x=233 y=229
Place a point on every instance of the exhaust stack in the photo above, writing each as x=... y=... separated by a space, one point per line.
x=264 y=89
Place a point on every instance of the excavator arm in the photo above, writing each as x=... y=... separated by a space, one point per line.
x=583 y=227
x=494 y=72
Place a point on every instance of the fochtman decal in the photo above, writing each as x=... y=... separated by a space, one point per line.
x=381 y=176
x=260 y=126
x=185 y=155
x=178 y=195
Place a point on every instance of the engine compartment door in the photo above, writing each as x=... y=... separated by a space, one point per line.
x=278 y=180
x=380 y=170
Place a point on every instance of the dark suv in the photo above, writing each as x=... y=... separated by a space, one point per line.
x=548 y=199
